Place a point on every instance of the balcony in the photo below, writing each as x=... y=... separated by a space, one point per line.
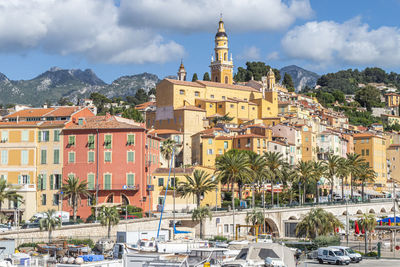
x=116 y=187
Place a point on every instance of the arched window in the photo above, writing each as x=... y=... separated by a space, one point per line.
x=125 y=200
x=216 y=78
x=226 y=79
x=216 y=56
x=110 y=199
x=225 y=56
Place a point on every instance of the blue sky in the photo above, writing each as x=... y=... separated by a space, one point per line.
x=134 y=37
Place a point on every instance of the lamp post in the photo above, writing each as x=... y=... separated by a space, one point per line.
x=347 y=225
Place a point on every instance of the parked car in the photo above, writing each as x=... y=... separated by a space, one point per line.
x=4 y=227
x=332 y=255
x=30 y=225
x=354 y=257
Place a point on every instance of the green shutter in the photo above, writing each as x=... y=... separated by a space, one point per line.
x=71 y=157
x=91 y=141
x=107 y=156
x=107 y=181
x=71 y=140
x=44 y=156
x=47 y=136
x=56 y=135
x=59 y=181
x=39 y=182
x=19 y=179
x=107 y=141
x=56 y=156
x=91 y=181
x=39 y=136
x=131 y=156
x=91 y=156
x=51 y=182
x=44 y=178
x=131 y=180
x=131 y=139
x=29 y=179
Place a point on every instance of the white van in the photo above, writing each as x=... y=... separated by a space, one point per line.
x=354 y=257
x=332 y=255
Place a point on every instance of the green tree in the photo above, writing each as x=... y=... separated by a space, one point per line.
x=63 y=101
x=8 y=192
x=368 y=223
x=221 y=119
x=355 y=163
x=317 y=172
x=288 y=82
x=230 y=168
x=109 y=216
x=200 y=184
x=255 y=70
x=74 y=189
x=365 y=175
x=99 y=101
x=339 y=96
x=257 y=165
x=133 y=114
x=199 y=215
x=332 y=165
x=304 y=173
x=194 y=78
x=49 y=222
x=206 y=77
x=167 y=146
x=275 y=166
x=343 y=172
x=141 y=96
x=317 y=222
x=368 y=97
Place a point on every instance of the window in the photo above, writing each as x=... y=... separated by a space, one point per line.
x=43 y=156
x=306 y=139
x=24 y=157
x=57 y=181
x=43 y=199
x=71 y=157
x=90 y=181
x=107 y=156
x=219 y=106
x=90 y=200
x=253 y=108
x=362 y=152
x=4 y=157
x=210 y=141
x=196 y=93
x=160 y=181
x=56 y=156
x=3 y=177
x=232 y=105
x=264 y=143
x=108 y=141
x=91 y=141
x=91 y=156
x=131 y=156
x=44 y=136
x=367 y=152
x=220 y=151
x=181 y=92
x=242 y=107
x=130 y=180
x=4 y=136
x=25 y=135
x=225 y=144
x=226 y=228
x=56 y=199
x=131 y=139
x=42 y=181
x=107 y=181
x=211 y=105
x=275 y=147
x=211 y=96
x=71 y=140
x=56 y=135
x=210 y=151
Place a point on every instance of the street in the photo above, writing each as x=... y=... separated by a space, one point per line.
x=364 y=263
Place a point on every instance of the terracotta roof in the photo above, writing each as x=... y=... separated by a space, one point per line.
x=31 y=112
x=223 y=138
x=190 y=107
x=394 y=145
x=260 y=125
x=52 y=124
x=165 y=131
x=63 y=111
x=362 y=135
x=228 y=86
x=107 y=122
x=20 y=123
x=211 y=130
x=186 y=83
x=279 y=143
x=250 y=136
x=145 y=105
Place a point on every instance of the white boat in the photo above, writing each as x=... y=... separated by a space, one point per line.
x=214 y=256
x=181 y=246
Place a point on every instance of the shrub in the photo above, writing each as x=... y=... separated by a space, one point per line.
x=326 y=241
x=28 y=245
x=219 y=238
x=132 y=209
x=137 y=214
x=87 y=241
x=227 y=196
x=90 y=219
x=79 y=220
x=371 y=254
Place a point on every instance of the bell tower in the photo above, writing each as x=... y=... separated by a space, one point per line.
x=182 y=72
x=221 y=66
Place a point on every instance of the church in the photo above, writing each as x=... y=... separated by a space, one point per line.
x=191 y=107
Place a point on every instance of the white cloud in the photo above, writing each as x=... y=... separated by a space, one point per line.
x=89 y=28
x=273 y=56
x=250 y=53
x=201 y=15
x=352 y=42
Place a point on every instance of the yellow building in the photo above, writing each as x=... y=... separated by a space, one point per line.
x=392 y=100
x=160 y=180
x=372 y=148
x=390 y=119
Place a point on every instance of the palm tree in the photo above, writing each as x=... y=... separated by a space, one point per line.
x=7 y=192
x=317 y=173
x=199 y=215
x=109 y=217
x=222 y=119
x=74 y=189
x=354 y=161
x=49 y=222
x=304 y=173
x=255 y=217
x=258 y=170
x=200 y=184
x=368 y=223
x=317 y=222
x=230 y=168
x=366 y=174
x=275 y=164
x=343 y=172
x=167 y=147
x=332 y=164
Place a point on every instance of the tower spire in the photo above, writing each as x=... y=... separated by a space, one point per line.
x=182 y=72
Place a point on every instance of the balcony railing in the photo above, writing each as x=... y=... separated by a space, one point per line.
x=118 y=187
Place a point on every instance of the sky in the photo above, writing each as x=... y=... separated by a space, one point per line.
x=126 y=37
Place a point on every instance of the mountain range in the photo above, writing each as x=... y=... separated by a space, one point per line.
x=75 y=84
x=301 y=77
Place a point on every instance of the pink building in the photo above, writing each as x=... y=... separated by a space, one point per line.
x=114 y=155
